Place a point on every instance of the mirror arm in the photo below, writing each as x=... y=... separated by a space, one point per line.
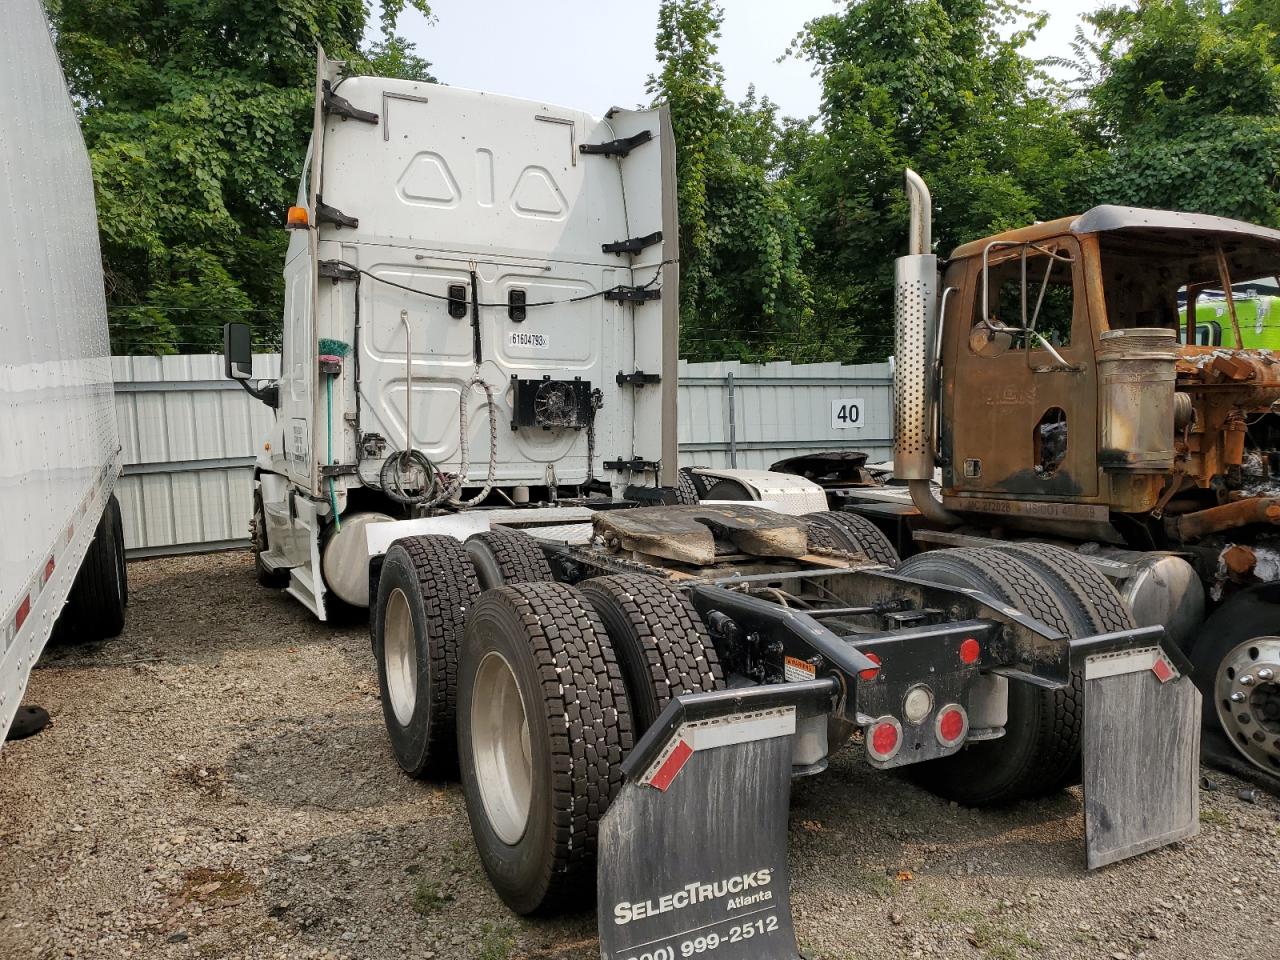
x=267 y=392
x=1062 y=364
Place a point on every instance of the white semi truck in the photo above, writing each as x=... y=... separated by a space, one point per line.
x=62 y=555
x=474 y=438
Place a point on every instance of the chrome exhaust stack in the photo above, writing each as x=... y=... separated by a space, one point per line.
x=915 y=279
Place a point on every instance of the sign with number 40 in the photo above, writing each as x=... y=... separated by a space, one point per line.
x=846 y=414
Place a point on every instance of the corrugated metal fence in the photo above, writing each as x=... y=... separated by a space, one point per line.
x=189 y=436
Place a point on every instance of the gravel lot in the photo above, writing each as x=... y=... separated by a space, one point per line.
x=217 y=784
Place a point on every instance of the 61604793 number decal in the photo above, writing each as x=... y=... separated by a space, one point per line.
x=521 y=338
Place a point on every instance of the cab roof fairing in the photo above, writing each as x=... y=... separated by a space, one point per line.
x=1109 y=218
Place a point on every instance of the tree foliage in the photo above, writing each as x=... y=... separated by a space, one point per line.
x=1186 y=104
x=944 y=87
x=743 y=284
x=196 y=114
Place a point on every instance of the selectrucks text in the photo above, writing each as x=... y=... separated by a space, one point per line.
x=694 y=893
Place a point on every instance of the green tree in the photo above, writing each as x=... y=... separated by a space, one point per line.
x=1186 y=102
x=196 y=114
x=744 y=292
x=944 y=87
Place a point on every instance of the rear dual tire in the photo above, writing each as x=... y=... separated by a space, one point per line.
x=850 y=533
x=426 y=588
x=543 y=725
x=662 y=645
x=1040 y=750
x=534 y=690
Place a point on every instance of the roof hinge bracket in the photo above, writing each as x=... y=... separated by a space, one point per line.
x=633 y=245
x=637 y=379
x=617 y=148
x=342 y=107
x=337 y=270
x=635 y=465
x=633 y=294
x=328 y=214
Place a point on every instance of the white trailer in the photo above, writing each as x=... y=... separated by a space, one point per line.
x=62 y=554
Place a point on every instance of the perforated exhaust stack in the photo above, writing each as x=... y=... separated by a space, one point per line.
x=915 y=312
x=915 y=306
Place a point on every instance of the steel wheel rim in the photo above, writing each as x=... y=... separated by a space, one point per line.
x=400 y=657
x=503 y=761
x=1247 y=696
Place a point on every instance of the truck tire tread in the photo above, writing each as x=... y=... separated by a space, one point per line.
x=854 y=533
x=1089 y=583
x=516 y=556
x=438 y=568
x=663 y=647
x=584 y=703
x=686 y=488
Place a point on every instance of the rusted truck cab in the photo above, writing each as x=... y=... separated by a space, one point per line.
x=1069 y=397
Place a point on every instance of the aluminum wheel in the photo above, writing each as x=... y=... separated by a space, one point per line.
x=500 y=744
x=400 y=657
x=1248 y=700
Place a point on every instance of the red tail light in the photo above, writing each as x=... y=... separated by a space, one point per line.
x=884 y=738
x=952 y=724
x=870 y=672
x=969 y=651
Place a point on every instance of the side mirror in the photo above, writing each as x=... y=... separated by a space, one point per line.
x=237 y=351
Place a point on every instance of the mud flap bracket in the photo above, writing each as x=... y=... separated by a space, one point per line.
x=1141 y=753
x=693 y=850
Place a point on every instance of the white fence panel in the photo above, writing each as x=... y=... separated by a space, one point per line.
x=751 y=416
x=190 y=436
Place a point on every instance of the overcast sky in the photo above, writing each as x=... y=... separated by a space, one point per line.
x=595 y=54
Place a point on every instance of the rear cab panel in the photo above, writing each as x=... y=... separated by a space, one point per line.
x=458 y=189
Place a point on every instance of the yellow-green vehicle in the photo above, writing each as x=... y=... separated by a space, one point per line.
x=1258 y=316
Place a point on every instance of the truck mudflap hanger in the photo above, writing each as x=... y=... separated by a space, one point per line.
x=692 y=851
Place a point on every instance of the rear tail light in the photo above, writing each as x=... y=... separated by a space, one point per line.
x=870 y=672
x=970 y=650
x=884 y=738
x=952 y=725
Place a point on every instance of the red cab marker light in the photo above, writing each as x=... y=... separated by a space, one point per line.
x=969 y=650
x=870 y=672
x=952 y=724
x=884 y=738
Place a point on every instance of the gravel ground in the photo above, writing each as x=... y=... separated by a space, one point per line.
x=217 y=784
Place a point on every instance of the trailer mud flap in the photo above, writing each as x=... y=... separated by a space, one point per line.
x=1141 y=752
x=693 y=850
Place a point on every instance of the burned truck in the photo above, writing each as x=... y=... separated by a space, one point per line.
x=626 y=682
x=1050 y=386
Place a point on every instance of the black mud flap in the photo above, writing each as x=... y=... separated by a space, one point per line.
x=693 y=850
x=1141 y=752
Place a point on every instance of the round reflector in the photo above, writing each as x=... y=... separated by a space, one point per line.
x=952 y=724
x=884 y=738
x=969 y=650
x=870 y=672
